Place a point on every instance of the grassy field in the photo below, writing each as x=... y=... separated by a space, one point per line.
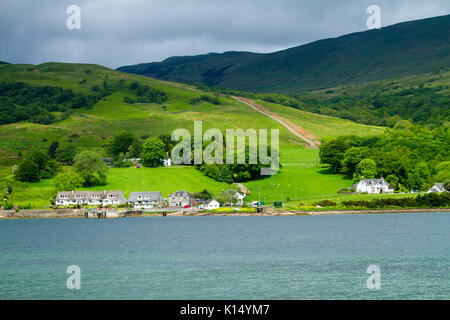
x=321 y=126
x=167 y=180
x=300 y=178
x=92 y=128
x=393 y=85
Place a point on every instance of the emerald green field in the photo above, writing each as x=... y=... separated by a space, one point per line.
x=301 y=176
x=321 y=126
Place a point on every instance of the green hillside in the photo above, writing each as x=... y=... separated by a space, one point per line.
x=421 y=99
x=92 y=128
x=404 y=49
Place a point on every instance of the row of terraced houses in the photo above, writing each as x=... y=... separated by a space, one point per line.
x=138 y=200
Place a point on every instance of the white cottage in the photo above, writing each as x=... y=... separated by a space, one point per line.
x=210 y=205
x=437 y=188
x=90 y=198
x=372 y=186
x=145 y=200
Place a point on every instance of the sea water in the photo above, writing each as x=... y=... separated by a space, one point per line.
x=299 y=257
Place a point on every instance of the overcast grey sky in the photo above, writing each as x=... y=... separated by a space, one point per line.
x=121 y=32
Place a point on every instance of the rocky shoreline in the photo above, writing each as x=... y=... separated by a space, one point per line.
x=81 y=213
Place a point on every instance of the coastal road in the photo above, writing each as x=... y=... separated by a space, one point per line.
x=298 y=132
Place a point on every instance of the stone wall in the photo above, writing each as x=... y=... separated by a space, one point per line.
x=48 y=213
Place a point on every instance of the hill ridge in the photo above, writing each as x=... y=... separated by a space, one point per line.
x=407 y=48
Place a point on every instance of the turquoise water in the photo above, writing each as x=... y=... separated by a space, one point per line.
x=303 y=257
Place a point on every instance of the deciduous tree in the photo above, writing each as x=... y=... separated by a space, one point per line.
x=153 y=153
x=366 y=169
x=91 y=167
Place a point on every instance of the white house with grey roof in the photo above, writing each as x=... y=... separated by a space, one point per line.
x=372 y=186
x=210 y=205
x=90 y=198
x=437 y=188
x=145 y=199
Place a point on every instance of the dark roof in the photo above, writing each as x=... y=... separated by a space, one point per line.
x=181 y=193
x=146 y=196
x=71 y=195
x=437 y=187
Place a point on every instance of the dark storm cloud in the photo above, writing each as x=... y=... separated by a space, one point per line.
x=119 y=32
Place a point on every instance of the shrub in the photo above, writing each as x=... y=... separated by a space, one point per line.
x=203 y=195
x=207 y=98
x=28 y=171
x=429 y=200
x=123 y=164
x=25 y=207
x=91 y=167
x=8 y=206
x=129 y=100
x=325 y=203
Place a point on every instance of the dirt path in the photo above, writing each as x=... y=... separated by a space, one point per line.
x=243 y=188
x=294 y=129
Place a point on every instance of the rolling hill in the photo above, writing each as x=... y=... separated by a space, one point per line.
x=92 y=127
x=400 y=50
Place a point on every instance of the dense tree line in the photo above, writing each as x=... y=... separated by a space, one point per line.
x=428 y=200
x=145 y=94
x=420 y=105
x=407 y=156
x=36 y=165
x=203 y=195
x=231 y=173
x=207 y=98
x=20 y=101
x=153 y=151
x=88 y=167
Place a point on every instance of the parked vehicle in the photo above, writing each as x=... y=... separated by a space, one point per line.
x=256 y=204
